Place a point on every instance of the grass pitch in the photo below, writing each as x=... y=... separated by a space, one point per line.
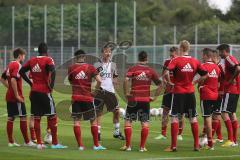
x=66 y=137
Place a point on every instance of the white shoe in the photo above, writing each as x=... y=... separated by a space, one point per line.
x=81 y=148
x=235 y=144
x=30 y=144
x=125 y=148
x=13 y=145
x=179 y=137
x=41 y=146
x=48 y=138
x=218 y=141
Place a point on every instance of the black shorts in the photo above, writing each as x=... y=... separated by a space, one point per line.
x=16 y=109
x=207 y=107
x=183 y=104
x=138 y=111
x=217 y=106
x=83 y=110
x=42 y=104
x=167 y=100
x=107 y=98
x=229 y=103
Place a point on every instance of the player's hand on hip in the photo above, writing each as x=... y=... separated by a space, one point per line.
x=128 y=96
x=19 y=99
x=152 y=99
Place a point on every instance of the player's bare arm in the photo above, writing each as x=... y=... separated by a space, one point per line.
x=157 y=92
x=98 y=84
x=51 y=70
x=23 y=72
x=14 y=86
x=126 y=88
x=4 y=80
x=236 y=73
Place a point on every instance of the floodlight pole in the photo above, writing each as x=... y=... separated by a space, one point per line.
x=97 y=29
x=29 y=31
x=196 y=41
x=62 y=14
x=13 y=27
x=115 y=22
x=134 y=31
x=154 y=44
x=174 y=35
x=79 y=25
x=45 y=23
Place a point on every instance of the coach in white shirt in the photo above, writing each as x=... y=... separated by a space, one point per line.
x=108 y=72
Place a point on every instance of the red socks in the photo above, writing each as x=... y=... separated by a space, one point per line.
x=210 y=142
x=218 y=131
x=94 y=130
x=235 y=130
x=215 y=124
x=77 y=132
x=32 y=133
x=174 y=133
x=37 y=129
x=144 y=135
x=24 y=130
x=53 y=126
x=128 y=135
x=194 y=127
x=10 y=131
x=164 y=130
x=180 y=131
x=229 y=129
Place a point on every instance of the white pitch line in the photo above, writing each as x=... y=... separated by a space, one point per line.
x=202 y=157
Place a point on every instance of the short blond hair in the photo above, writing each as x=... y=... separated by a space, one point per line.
x=184 y=46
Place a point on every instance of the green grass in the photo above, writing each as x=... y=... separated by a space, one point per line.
x=66 y=137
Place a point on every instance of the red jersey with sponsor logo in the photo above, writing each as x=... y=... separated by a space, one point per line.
x=141 y=77
x=12 y=71
x=39 y=74
x=80 y=76
x=184 y=69
x=168 y=88
x=209 y=89
x=229 y=68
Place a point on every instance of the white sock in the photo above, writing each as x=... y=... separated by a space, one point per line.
x=99 y=129
x=117 y=128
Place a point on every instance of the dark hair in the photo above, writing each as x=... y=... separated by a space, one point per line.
x=105 y=47
x=214 y=51
x=207 y=51
x=42 y=48
x=18 y=51
x=173 y=49
x=142 y=56
x=224 y=47
x=79 y=53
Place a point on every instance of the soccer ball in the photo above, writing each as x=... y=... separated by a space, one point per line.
x=154 y=112
x=122 y=112
x=203 y=141
x=160 y=111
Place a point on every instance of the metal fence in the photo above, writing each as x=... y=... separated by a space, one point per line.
x=156 y=54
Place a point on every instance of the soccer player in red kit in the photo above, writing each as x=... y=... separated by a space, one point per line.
x=14 y=98
x=209 y=93
x=80 y=76
x=216 y=117
x=183 y=100
x=138 y=106
x=231 y=94
x=42 y=69
x=167 y=99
